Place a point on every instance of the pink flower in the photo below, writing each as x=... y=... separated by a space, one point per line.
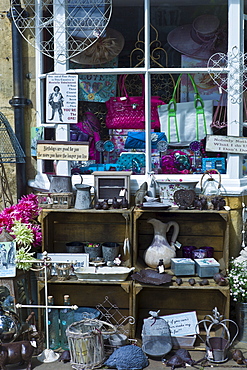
x=25 y=211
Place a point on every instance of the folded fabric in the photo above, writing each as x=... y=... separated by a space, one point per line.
x=136 y=140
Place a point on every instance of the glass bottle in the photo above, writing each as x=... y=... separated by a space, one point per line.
x=160 y=267
x=53 y=325
x=66 y=318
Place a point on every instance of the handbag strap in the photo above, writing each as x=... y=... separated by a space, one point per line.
x=198 y=104
x=219 y=118
x=122 y=86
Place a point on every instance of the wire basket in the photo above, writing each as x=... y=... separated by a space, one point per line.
x=62 y=200
x=86 y=343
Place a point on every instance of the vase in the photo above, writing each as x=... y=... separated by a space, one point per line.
x=110 y=251
x=241 y=320
x=94 y=252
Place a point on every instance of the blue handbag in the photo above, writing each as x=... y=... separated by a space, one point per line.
x=136 y=140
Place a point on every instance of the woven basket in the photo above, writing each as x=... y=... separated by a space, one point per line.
x=55 y=200
x=86 y=343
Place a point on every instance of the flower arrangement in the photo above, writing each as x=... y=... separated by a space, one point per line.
x=20 y=221
x=238 y=280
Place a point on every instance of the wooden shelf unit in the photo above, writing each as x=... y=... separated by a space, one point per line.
x=199 y=228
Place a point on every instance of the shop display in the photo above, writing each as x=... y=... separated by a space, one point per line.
x=128 y=112
x=188 y=121
x=136 y=140
x=160 y=248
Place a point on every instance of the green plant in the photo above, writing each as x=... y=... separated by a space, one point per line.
x=238 y=280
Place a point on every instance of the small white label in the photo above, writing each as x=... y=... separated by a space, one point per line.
x=177 y=244
x=123 y=98
x=33 y=343
x=122 y=192
x=161 y=269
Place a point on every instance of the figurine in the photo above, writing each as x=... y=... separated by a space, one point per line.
x=16 y=352
x=115 y=203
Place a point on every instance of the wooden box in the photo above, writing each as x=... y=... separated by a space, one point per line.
x=206 y=267
x=182 y=266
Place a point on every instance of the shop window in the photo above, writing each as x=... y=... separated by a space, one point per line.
x=182 y=38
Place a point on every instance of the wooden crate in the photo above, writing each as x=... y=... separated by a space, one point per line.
x=90 y=294
x=197 y=228
x=172 y=299
x=62 y=226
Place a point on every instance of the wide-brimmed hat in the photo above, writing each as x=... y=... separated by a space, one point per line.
x=105 y=49
x=201 y=39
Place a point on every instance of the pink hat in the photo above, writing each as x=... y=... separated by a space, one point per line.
x=201 y=39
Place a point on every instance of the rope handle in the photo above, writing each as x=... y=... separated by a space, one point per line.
x=208 y=173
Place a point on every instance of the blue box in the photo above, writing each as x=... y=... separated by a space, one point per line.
x=182 y=266
x=207 y=267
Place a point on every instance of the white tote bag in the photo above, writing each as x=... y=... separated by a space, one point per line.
x=188 y=121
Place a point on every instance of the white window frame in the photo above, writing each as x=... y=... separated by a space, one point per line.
x=233 y=182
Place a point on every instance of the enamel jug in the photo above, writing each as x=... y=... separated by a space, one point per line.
x=83 y=198
x=160 y=248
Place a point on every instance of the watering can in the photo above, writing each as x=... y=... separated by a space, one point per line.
x=60 y=184
x=217 y=347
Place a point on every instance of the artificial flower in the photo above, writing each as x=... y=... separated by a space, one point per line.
x=20 y=221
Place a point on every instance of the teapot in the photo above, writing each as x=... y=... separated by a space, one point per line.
x=160 y=248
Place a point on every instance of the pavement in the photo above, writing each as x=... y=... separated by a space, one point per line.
x=154 y=364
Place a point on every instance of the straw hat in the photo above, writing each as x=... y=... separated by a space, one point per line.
x=201 y=39
x=103 y=50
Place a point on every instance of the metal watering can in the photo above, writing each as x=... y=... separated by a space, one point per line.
x=217 y=347
x=83 y=198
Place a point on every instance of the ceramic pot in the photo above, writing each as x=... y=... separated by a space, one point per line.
x=93 y=252
x=74 y=247
x=110 y=251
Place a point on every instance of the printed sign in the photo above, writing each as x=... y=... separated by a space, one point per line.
x=62 y=98
x=63 y=150
x=226 y=144
x=182 y=323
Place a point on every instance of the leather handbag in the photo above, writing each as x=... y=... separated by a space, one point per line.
x=188 y=121
x=136 y=140
x=128 y=112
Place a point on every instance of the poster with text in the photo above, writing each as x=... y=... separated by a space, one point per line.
x=7 y=259
x=61 y=98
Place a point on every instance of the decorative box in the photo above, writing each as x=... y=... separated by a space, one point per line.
x=206 y=267
x=182 y=266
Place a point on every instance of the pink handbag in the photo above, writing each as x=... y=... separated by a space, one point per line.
x=128 y=112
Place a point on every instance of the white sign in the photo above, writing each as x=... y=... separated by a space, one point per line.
x=7 y=259
x=226 y=144
x=63 y=150
x=182 y=323
x=61 y=98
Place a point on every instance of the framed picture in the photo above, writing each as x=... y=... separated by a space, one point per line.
x=7 y=259
x=214 y=163
x=61 y=98
x=78 y=259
